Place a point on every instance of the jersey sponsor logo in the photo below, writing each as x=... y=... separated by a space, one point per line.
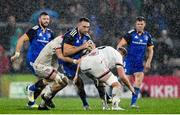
x=43 y=41
x=140 y=42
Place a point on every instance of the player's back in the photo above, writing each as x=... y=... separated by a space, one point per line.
x=47 y=55
x=109 y=55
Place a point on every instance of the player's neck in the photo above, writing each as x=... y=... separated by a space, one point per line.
x=140 y=32
x=43 y=28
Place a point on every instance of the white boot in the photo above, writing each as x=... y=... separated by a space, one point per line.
x=115 y=104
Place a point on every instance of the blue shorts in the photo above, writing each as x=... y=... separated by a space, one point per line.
x=70 y=70
x=132 y=67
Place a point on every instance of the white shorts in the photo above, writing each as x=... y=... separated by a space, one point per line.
x=43 y=70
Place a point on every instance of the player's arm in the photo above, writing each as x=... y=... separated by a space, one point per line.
x=122 y=43
x=70 y=49
x=150 y=46
x=66 y=59
x=124 y=78
x=149 y=57
x=19 y=45
x=125 y=40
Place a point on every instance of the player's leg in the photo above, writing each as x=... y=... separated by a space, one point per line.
x=81 y=92
x=52 y=90
x=35 y=90
x=139 y=76
x=106 y=99
x=101 y=89
x=113 y=82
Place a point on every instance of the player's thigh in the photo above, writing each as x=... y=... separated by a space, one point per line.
x=43 y=70
x=139 y=76
x=112 y=81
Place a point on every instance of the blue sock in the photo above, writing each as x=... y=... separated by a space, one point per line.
x=31 y=103
x=33 y=87
x=135 y=96
x=85 y=103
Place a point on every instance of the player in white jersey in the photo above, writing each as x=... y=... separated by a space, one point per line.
x=46 y=66
x=99 y=62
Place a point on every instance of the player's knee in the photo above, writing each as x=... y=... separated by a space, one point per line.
x=64 y=82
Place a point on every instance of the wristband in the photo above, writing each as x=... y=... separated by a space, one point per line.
x=74 y=61
x=17 y=54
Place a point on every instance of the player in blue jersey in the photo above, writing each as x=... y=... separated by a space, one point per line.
x=38 y=36
x=138 y=41
x=74 y=42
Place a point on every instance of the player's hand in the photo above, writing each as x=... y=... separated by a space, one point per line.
x=86 y=45
x=15 y=56
x=75 y=80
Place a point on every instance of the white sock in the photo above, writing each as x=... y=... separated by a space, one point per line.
x=116 y=96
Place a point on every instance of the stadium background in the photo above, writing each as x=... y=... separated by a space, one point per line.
x=110 y=19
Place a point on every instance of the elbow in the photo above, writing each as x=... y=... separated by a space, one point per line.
x=65 y=53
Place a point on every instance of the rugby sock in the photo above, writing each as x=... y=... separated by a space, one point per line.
x=39 y=85
x=116 y=96
x=135 y=96
x=33 y=87
x=85 y=103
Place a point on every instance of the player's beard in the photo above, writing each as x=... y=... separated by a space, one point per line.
x=45 y=24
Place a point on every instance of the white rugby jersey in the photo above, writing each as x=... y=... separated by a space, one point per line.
x=109 y=56
x=47 y=56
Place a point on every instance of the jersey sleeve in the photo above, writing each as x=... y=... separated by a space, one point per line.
x=68 y=39
x=118 y=60
x=59 y=40
x=150 y=41
x=31 y=33
x=52 y=35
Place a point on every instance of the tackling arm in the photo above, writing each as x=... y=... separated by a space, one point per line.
x=66 y=59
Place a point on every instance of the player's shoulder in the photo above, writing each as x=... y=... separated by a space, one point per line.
x=148 y=34
x=48 y=29
x=73 y=32
x=36 y=27
x=131 y=31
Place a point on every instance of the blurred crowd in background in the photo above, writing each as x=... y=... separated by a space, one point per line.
x=110 y=20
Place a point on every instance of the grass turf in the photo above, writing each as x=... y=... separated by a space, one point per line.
x=74 y=106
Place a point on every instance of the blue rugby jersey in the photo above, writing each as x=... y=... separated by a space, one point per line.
x=72 y=37
x=37 y=40
x=137 y=45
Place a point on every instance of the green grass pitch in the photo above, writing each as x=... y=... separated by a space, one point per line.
x=74 y=106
